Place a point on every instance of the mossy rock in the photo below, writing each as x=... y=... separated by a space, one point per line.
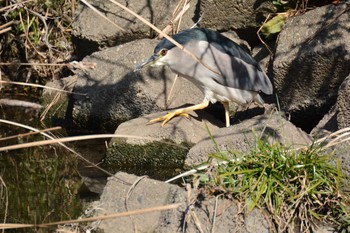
x=158 y=159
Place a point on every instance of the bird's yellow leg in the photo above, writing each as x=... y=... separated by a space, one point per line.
x=180 y=112
x=227 y=113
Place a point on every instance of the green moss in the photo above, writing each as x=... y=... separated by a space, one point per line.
x=160 y=159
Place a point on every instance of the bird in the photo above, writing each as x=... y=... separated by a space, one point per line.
x=219 y=67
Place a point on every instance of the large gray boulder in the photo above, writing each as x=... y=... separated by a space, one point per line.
x=92 y=32
x=125 y=192
x=177 y=130
x=243 y=16
x=119 y=196
x=243 y=137
x=327 y=124
x=338 y=116
x=160 y=151
x=155 y=150
x=343 y=104
x=311 y=61
x=114 y=93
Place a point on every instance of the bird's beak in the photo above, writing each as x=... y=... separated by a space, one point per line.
x=149 y=62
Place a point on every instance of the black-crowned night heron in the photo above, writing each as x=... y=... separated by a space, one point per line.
x=223 y=70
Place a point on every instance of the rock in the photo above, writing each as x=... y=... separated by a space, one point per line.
x=120 y=196
x=327 y=124
x=244 y=16
x=311 y=61
x=243 y=136
x=338 y=117
x=343 y=104
x=90 y=38
x=177 y=130
x=341 y=152
x=255 y=222
x=92 y=185
x=160 y=151
x=155 y=150
x=125 y=192
x=58 y=101
x=326 y=127
x=263 y=56
x=229 y=218
x=115 y=93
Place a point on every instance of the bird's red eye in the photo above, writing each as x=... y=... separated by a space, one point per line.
x=163 y=52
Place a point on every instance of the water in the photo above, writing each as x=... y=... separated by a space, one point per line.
x=37 y=184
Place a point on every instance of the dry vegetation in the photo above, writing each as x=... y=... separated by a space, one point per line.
x=35 y=33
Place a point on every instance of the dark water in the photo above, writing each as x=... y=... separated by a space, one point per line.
x=37 y=184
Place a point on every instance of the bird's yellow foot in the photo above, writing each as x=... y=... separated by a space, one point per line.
x=167 y=117
x=180 y=112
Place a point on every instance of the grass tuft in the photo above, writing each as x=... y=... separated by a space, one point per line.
x=297 y=187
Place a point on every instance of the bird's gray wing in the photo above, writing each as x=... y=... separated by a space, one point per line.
x=238 y=68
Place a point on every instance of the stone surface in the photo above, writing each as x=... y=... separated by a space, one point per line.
x=242 y=137
x=115 y=93
x=311 y=61
x=338 y=116
x=154 y=150
x=120 y=196
x=126 y=192
x=341 y=152
x=93 y=31
x=343 y=104
x=263 y=56
x=327 y=124
x=229 y=218
x=243 y=16
x=177 y=130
